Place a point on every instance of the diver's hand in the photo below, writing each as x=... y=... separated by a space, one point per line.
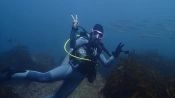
x=75 y=22
x=118 y=50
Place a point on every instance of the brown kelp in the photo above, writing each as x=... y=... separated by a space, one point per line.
x=135 y=79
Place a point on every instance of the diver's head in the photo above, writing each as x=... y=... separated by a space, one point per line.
x=97 y=32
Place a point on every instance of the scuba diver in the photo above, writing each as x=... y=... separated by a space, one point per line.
x=86 y=51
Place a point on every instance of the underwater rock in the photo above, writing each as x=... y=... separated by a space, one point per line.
x=88 y=90
x=7 y=92
x=41 y=90
x=18 y=57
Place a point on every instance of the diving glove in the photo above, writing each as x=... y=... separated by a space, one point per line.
x=118 y=50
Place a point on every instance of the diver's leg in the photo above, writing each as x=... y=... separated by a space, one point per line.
x=57 y=73
x=69 y=85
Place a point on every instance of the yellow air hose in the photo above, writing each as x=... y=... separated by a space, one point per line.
x=65 y=45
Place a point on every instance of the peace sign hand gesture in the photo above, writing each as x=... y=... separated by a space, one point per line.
x=75 y=22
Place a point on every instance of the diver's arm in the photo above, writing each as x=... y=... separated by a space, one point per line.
x=102 y=57
x=105 y=61
x=73 y=31
x=75 y=42
x=73 y=37
x=114 y=55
